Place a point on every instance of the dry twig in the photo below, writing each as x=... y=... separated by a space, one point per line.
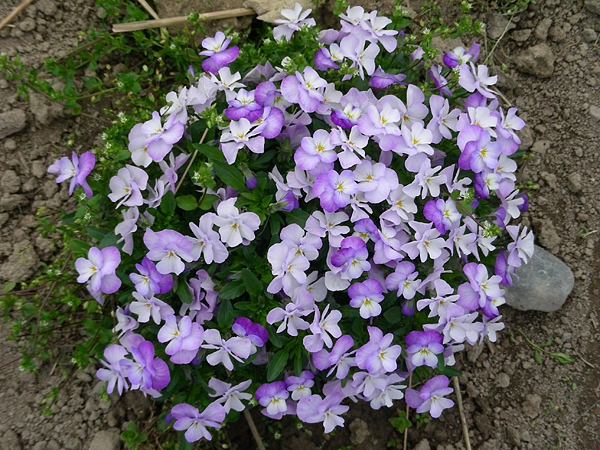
x=461 y=412
x=146 y=24
x=14 y=12
x=254 y=431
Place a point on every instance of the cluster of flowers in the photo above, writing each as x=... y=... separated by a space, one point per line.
x=393 y=187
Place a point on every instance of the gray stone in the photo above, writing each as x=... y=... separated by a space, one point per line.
x=359 y=431
x=40 y=446
x=10 y=441
x=12 y=122
x=423 y=445
x=595 y=112
x=537 y=60
x=10 y=182
x=540 y=146
x=27 y=24
x=526 y=136
x=541 y=31
x=107 y=440
x=48 y=7
x=21 y=264
x=474 y=352
x=557 y=34
x=521 y=35
x=575 y=182
x=496 y=25
x=43 y=109
x=593 y=6
x=512 y=436
x=532 y=405
x=503 y=380
x=589 y=35
x=544 y=283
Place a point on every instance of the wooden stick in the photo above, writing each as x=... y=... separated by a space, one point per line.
x=461 y=412
x=146 y=24
x=148 y=8
x=254 y=431
x=15 y=11
x=407 y=412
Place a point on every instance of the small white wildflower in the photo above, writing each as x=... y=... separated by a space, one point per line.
x=267 y=41
x=172 y=46
x=122 y=117
x=96 y=177
x=277 y=435
x=104 y=136
x=21 y=368
x=69 y=303
x=196 y=177
x=43 y=323
x=286 y=62
x=426 y=31
x=57 y=272
x=74 y=361
x=82 y=196
x=119 y=83
x=87 y=216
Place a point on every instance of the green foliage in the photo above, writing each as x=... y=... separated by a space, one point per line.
x=132 y=437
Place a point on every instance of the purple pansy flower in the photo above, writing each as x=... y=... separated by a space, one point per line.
x=218 y=54
x=366 y=296
x=99 y=269
x=195 y=422
x=423 y=347
x=77 y=169
x=431 y=397
x=149 y=281
x=168 y=247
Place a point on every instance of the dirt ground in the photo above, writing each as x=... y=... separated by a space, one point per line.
x=511 y=401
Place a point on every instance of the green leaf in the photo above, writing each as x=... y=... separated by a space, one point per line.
x=225 y=318
x=275 y=338
x=297 y=216
x=79 y=247
x=232 y=290
x=110 y=240
x=231 y=176
x=208 y=201
x=443 y=369
x=298 y=366
x=253 y=285
x=69 y=219
x=8 y=287
x=209 y=151
x=277 y=364
x=183 y=292
x=96 y=233
x=400 y=423
x=537 y=356
x=187 y=202
x=243 y=306
x=448 y=371
x=94 y=202
x=394 y=314
x=167 y=204
x=562 y=358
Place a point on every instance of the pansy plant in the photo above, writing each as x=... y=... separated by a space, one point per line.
x=308 y=228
